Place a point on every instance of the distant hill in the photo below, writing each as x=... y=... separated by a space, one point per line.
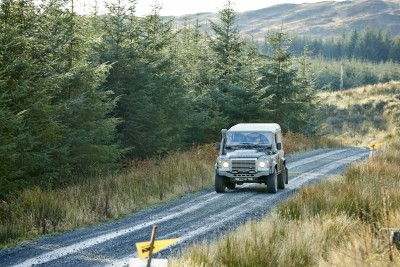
x=323 y=19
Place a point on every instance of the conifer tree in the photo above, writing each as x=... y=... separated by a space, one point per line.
x=290 y=92
x=305 y=119
x=162 y=114
x=194 y=61
x=83 y=106
x=31 y=130
x=235 y=92
x=394 y=52
x=52 y=97
x=145 y=79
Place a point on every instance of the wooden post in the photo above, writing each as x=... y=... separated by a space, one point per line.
x=372 y=151
x=341 y=75
x=153 y=238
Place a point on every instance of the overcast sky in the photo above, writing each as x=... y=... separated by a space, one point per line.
x=183 y=7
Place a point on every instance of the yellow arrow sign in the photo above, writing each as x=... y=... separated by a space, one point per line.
x=375 y=146
x=143 y=248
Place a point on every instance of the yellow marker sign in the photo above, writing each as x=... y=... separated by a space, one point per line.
x=143 y=248
x=375 y=146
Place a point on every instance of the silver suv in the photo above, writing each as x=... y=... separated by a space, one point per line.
x=251 y=153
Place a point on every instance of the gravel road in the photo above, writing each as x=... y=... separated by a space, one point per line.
x=195 y=217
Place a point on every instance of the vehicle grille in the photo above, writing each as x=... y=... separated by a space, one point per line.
x=243 y=166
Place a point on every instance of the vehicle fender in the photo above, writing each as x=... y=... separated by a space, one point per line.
x=273 y=167
x=216 y=168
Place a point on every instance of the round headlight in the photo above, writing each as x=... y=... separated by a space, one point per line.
x=225 y=164
x=262 y=164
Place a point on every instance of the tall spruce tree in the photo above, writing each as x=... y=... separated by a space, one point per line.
x=145 y=79
x=305 y=119
x=236 y=91
x=290 y=92
x=279 y=77
x=163 y=117
x=31 y=133
x=194 y=61
x=82 y=104
x=51 y=96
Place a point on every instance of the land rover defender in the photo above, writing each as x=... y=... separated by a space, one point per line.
x=251 y=153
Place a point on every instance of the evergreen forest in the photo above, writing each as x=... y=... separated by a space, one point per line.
x=81 y=95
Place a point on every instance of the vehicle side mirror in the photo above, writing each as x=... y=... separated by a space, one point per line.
x=217 y=146
x=279 y=146
x=223 y=132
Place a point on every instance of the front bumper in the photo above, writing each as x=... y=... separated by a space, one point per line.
x=245 y=177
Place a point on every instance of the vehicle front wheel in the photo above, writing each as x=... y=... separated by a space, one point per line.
x=272 y=183
x=282 y=178
x=219 y=184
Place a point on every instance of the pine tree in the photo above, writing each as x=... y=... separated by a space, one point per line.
x=31 y=132
x=394 y=52
x=352 y=44
x=145 y=79
x=279 y=77
x=289 y=91
x=194 y=61
x=305 y=119
x=163 y=117
x=52 y=97
x=82 y=104
x=235 y=91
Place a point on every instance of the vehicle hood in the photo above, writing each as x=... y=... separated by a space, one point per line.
x=247 y=153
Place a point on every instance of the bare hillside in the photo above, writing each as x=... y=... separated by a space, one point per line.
x=322 y=19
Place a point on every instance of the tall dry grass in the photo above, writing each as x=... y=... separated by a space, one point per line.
x=297 y=142
x=340 y=222
x=143 y=183
x=272 y=242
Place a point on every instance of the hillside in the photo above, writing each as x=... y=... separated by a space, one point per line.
x=363 y=115
x=323 y=19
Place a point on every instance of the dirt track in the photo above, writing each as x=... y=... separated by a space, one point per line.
x=195 y=217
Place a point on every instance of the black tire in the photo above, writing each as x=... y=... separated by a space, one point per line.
x=272 y=183
x=219 y=184
x=287 y=175
x=230 y=185
x=282 y=178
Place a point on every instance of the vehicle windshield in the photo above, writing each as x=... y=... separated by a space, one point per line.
x=249 y=139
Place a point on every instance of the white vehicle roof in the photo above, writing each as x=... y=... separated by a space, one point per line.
x=256 y=127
